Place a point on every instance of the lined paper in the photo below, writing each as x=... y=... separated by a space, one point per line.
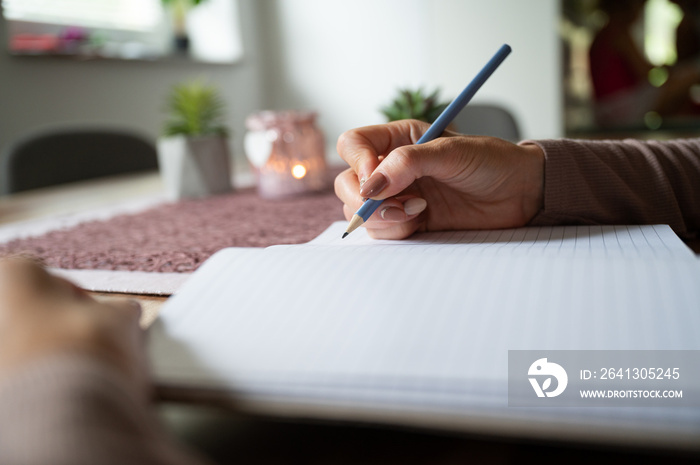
x=596 y=241
x=425 y=322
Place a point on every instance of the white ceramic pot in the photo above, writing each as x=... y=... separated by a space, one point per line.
x=193 y=167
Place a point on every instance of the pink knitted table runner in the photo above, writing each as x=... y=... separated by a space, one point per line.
x=178 y=237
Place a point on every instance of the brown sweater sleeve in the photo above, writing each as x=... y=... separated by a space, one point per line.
x=622 y=182
x=71 y=410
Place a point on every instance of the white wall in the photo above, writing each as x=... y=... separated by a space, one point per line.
x=40 y=92
x=465 y=33
x=346 y=59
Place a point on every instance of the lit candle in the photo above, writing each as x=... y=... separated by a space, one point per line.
x=286 y=150
x=298 y=171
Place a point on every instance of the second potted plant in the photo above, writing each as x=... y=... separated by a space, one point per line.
x=193 y=154
x=414 y=104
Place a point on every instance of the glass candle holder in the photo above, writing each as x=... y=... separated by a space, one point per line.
x=287 y=152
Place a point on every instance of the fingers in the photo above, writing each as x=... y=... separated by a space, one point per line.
x=347 y=189
x=361 y=148
x=440 y=159
x=395 y=233
x=395 y=225
x=394 y=210
x=397 y=218
x=30 y=295
x=453 y=181
x=41 y=314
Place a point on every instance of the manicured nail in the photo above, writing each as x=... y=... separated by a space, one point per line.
x=374 y=185
x=392 y=214
x=363 y=181
x=414 y=206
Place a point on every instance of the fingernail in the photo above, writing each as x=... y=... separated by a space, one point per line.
x=374 y=185
x=414 y=206
x=392 y=214
x=363 y=181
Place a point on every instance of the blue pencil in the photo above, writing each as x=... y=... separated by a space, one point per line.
x=438 y=127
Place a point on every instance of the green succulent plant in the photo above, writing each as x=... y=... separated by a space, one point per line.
x=414 y=104
x=179 y=9
x=194 y=109
x=181 y=3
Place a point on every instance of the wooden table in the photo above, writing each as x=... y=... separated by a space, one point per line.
x=78 y=197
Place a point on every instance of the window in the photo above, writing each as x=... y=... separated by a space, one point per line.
x=127 y=29
x=133 y=15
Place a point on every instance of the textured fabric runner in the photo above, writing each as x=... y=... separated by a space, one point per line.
x=179 y=237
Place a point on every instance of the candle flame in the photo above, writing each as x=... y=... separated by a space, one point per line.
x=298 y=171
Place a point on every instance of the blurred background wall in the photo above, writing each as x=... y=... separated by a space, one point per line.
x=347 y=58
x=344 y=59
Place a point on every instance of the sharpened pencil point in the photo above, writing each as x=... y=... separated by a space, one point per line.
x=345 y=234
x=355 y=222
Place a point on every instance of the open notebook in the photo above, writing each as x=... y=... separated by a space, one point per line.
x=418 y=331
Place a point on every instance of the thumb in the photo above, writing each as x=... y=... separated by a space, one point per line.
x=438 y=159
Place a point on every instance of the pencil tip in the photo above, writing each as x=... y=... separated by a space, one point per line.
x=345 y=234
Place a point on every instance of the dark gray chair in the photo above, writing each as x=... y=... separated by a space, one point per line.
x=487 y=120
x=74 y=154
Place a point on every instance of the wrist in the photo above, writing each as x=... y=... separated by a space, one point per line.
x=532 y=180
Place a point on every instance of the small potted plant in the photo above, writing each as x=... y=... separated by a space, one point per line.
x=193 y=153
x=414 y=104
x=179 y=10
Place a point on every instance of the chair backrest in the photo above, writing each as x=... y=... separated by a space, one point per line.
x=68 y=155
x=487 y=120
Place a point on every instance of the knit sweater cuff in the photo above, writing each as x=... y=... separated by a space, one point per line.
x=621 y=182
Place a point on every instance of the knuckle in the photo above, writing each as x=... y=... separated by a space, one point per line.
x=345 y=140
x=340 y=183
x=402 y=159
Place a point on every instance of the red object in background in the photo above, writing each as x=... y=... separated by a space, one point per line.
x=611 y=71
x=34 y=43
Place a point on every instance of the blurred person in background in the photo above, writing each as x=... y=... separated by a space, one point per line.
x=620 y=72
x=688 y=31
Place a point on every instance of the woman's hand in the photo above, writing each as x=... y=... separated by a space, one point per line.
x=452 y=182
x=43 y=315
